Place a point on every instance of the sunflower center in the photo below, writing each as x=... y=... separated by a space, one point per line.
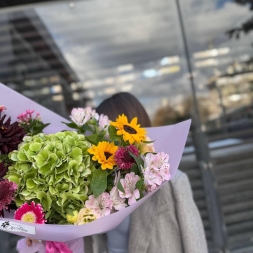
x=29 y=217
x=129 y=129
x=107 y=155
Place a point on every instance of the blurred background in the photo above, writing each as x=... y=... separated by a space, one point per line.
x=181 y=58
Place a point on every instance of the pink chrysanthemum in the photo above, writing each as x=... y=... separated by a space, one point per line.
x=30 y=213
x=7 y=190
x=122 y=157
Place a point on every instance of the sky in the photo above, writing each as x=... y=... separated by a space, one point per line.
x=96 y=37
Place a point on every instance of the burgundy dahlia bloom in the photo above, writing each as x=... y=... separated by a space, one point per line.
x=11 y=135
x=30 y=213
x=7 y=190
x=122 y=157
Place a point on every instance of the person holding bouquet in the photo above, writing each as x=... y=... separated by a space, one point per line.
x=168 y=222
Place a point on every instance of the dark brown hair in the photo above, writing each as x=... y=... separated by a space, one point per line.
x=124 y=103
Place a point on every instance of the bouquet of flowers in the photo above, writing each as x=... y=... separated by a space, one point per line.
x=81 y=180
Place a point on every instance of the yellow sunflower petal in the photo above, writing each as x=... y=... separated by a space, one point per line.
x=104 y=154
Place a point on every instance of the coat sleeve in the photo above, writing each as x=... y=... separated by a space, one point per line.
x=189 y=220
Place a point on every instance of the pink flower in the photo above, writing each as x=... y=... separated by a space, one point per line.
x=30 y=213
x=152 y=179
x=81 y=115
x=118 y=202
x=156 y=170
x=129 y=185
x=26 y=116
x=2 y=108
x=7 y=191
x=103 y=122
x=122 y=157
x=101 y=206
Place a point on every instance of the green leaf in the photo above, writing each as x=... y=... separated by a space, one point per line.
x=71 y=125
x=113 y=133
x=134 y=169
x=93 y=139
x=148 y=142
x=48 y=214
x=138 y=160
x=99 y=182
x=140 y=184
x=120 y=187
x=86 y=127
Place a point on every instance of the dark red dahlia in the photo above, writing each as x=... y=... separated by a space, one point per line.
x=11 y=135
x=7 y=191
x=122 y=157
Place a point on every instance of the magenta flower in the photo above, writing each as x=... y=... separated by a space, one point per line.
x=101 y=206
x=26 y=117
x=122 y=157
x=129 y=185
x=30 y=213
x=7 y=191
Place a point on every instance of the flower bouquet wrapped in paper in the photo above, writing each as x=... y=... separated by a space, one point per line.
x=63 y=181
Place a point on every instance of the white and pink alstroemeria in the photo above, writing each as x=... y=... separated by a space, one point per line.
x=103 y=122
x=129 y=185
x=152 y=179
x=81 y=115
x=156 y=170
x=101 y=206
x=118 y=202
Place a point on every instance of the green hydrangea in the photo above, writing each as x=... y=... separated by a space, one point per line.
x=53 y=170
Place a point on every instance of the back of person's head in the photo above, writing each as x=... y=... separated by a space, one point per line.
x=124 y=103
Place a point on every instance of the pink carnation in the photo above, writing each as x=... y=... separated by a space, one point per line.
x=30 y=213
x=122 y=157
x=101 y=206
x=129 y=185
x=7 y=191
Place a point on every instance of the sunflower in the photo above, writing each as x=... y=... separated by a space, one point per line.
x=131 y=132
x=104 y=153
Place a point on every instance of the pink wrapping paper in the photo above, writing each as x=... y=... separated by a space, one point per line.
x=76 y=246
x=169 y=139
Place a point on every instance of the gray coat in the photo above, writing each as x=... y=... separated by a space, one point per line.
x=169 y=222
